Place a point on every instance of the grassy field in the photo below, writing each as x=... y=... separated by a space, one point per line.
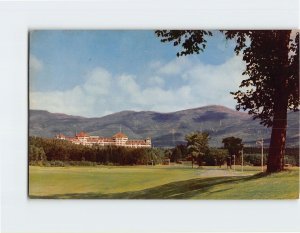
x=161 y=182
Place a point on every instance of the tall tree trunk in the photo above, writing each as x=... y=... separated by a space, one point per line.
x=278 y=136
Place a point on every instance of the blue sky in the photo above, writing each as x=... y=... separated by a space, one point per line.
x=98 y=72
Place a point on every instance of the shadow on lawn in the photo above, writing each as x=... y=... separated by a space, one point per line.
x=175 y=190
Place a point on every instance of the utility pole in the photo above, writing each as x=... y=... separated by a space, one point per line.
x=261 y=142
x=234 y=162
x=242 y=159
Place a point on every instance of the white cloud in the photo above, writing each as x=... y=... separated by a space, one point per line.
x=175 y=66
x=128 y=84
x=35 y=65
x=98 y=83
x=155 y=64
x=216 y=77
x=103 y=93
x=80 y=100
x=155 y=81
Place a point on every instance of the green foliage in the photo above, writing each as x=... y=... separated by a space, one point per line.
x=292 y=160
x=272 y=75
x=176 y=154
x=233 y=145
x=254 y=159
x=192 y=41
x=215 y=157
x=53 y=150
x=183 y=150
x=291 y=157
x=36 y=155
x=168 y=153
x=58 y=163
x=197 y=145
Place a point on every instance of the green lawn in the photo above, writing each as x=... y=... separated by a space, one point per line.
x=161 y=182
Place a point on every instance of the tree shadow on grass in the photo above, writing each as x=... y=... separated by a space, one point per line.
x=175 y=190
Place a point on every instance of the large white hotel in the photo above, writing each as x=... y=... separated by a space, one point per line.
x=119 y=139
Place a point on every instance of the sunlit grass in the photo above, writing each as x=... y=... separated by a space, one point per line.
x=161 y=182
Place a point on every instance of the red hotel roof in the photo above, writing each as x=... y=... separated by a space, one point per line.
x=82 y=134
x=120 y=135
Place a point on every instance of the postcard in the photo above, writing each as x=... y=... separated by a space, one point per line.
x=163 y=114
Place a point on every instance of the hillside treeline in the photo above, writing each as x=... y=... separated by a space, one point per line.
x=43 y=151
x=53 y=152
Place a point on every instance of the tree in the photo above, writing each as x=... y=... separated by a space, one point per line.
x=176 y=154
x=197 y=145
x=219 y=156
x=183 y=150
x=272 y=86
x=233 y=145
x=37 y=154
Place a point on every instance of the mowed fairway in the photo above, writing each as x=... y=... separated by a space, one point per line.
x=161 y=182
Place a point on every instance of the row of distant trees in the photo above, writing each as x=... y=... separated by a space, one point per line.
x=43 y=151
x=198 y=151
x=53 y=152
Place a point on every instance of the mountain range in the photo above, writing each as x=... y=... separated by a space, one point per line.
x=165 y=129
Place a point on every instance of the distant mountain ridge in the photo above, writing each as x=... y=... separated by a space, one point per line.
x=165 y=129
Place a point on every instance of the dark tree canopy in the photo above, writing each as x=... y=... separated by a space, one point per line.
x=233 y=145
x=192 y=41
x=197 y=145
x=266 y=61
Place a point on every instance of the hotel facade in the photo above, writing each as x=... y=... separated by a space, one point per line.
x=119 y=139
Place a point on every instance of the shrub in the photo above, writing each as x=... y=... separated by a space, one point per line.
x=291 y=159
x=254 y=159
x=215 y=157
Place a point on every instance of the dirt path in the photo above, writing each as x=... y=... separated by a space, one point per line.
x=211 y=172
